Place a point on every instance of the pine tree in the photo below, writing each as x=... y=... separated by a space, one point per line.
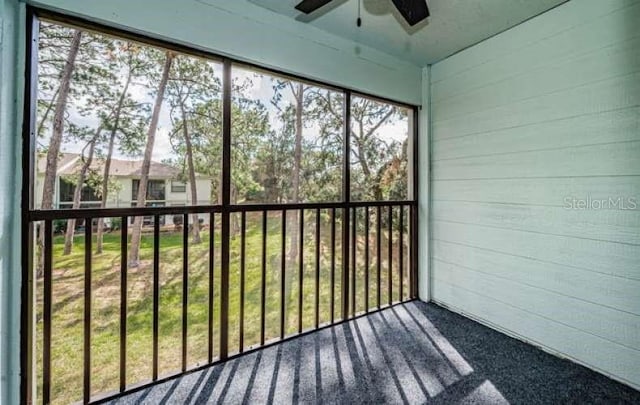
x=134 y=252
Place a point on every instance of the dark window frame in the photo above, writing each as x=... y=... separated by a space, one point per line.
x=67 y=189
x=151 y=188
x=30 y=215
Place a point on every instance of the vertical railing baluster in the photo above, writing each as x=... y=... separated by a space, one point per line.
x=263 y=280
x=87 y=309
x=366 y=259
x=333 y=263
x=345 y=263
x=354 y=251
x=300 y=269
x=124 y=240
x=378 y=252
x=317 y=285
x=47 y=294
x=225 y=231
x=212 y=234
x=413 y=250
x=390 y=252
x=185 y=286
x=243 y=248
x=401 y=252
x=156 y=293
x=283 y=270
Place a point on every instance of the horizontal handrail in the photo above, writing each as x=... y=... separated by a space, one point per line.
x=79 y=213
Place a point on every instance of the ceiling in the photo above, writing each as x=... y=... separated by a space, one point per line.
x=452 y=26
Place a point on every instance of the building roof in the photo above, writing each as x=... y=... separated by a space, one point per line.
x=70 y=163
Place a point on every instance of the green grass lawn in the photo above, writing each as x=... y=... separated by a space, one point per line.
x=68 y=301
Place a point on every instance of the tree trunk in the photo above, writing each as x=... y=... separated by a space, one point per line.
x=56 y=137
x=192 y=175
x=104 y=191
x=58 y=124
x=107 y=163
x=134 y=252
x=369 y=180
x=293 y=225
x=77 y=194
x=233 y=216
x=54 y=98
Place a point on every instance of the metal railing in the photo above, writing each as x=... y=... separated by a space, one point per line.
x=357 y=271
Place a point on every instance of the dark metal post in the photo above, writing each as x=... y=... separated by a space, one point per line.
x=317 y=285
x=226 y=200
x=156 y=293
x=47 y=298
x=300 y=270
x=124 y=241
x=283 y=270
x=390 y=252
x=354 y=253
x=263 y=278
x=378 y=252
x=212 y=235
x=346 y=197
x=401 y=252
x=333 y=263
x=185 y=287
x=87 y=309
x=366 y=259
x=413 y=249
x=243 y=248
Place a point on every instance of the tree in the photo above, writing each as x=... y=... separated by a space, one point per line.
x=370 y=154
x=191 y=84
x=93 y=82
x=249 y=124
x=134 y=252
x=292 y=118
x=60 y=102
x=58 y=123
x=128 y=117
x=65 y=83
x=80 y=183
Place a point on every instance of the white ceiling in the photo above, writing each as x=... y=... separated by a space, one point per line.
x=452 y=26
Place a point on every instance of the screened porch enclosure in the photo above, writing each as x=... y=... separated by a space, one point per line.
x=308 y=218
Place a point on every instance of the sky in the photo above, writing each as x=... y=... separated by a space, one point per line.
x=261 y=88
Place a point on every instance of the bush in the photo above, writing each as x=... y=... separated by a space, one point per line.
x=59 y=225
x=116 y=224
x=178 y=220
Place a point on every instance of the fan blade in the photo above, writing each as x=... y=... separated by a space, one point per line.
x=413 y=11
x=309 y=6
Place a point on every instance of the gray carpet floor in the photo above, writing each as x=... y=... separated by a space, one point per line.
x=412 y=353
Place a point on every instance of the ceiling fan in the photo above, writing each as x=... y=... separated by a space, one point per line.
x=413 y=11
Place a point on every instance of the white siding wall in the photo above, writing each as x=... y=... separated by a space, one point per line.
x=547 y=110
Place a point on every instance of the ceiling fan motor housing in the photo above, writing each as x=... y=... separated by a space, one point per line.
x=413 y=11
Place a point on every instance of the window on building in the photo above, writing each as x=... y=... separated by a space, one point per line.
x=155 y=190
x=178 y=186
x=67 y=189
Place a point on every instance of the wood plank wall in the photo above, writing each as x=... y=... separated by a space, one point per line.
x=521 y=124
